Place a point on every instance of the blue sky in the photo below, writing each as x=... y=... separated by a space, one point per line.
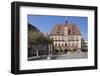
x=45 y=23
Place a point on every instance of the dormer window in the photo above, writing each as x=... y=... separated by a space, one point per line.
x=58 y=32
x=68 y=31
x=58 y=28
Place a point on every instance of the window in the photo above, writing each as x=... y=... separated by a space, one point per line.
x=59 y=44
x=69 y=44
x=58 y=28
x=62 y=44
x=72 y=44
x=72 y=38
x=68 y=31
x=76 y=44
x=55 y=44
x=69 y=39
x=58 y=32
x=58 y=37
x=62 y=37
x=77 y=39
x=66 y=44
x=55 y=38
x=73 y=29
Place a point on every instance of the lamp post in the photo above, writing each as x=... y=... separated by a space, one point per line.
x=49 y=52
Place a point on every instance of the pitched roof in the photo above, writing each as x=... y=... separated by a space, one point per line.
x=58 y=29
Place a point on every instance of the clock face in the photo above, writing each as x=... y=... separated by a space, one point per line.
x=65 y=30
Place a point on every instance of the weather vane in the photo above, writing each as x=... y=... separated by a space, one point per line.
x=66 y=21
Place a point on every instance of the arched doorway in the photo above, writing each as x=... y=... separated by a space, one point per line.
x=66 y=50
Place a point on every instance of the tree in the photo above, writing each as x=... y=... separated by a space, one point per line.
x=37 y=39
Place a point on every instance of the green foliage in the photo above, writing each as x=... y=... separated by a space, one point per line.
x=36 y=38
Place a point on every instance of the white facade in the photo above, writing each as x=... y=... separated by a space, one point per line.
x=66 y=37
x=67 y=40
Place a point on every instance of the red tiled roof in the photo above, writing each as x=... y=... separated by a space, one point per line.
x=73 y=29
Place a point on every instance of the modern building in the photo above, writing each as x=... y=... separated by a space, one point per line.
x=66 y=37
x=32 y=28
x=84 y=45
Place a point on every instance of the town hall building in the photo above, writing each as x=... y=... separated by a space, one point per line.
x=66 y=37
